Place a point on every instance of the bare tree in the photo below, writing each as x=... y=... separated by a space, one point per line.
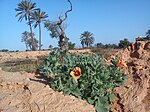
x=27 y=39
x=58 y=30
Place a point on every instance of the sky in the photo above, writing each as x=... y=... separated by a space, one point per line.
x=109 y=20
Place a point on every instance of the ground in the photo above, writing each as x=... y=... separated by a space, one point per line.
x=25 y=92
x=29 y=92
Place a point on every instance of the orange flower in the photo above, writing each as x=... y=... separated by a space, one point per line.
x=51 y=76
x=76 y=73
x=121 y=64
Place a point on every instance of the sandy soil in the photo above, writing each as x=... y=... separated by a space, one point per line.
x=26 y=92
x=29 y=92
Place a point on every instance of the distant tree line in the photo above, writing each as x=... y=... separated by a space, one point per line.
x=34 y=17
x=6 y=50
x=122 y=44
x=87 y=40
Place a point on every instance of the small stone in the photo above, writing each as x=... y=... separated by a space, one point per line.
x=147 y=46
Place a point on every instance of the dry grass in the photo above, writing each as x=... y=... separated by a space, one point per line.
x=104 y=52
x=24 y=65
x=31 y=65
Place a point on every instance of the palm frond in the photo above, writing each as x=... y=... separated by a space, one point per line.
x=87 y=38
x=24 y=9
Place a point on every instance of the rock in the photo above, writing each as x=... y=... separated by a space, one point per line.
x=135 y=95
x=9 y=56
x=147 y=46
x=25 y=92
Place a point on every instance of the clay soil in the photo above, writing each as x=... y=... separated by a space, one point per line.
x=29 y=92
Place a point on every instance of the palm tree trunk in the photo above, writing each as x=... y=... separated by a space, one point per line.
x=40 y=37
x=33 y=45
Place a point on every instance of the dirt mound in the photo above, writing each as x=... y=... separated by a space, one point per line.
x=26 y=92
x=135 y=95
x=32 y=55
x=9 y=56
x=81 y=51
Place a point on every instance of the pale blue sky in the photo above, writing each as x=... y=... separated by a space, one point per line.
x=109 y=21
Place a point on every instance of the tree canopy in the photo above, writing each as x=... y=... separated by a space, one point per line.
x=26 y=38
x=87 y=39
x=124 y=43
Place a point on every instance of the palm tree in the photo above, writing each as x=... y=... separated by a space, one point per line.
x=38 y=16
x=87 y=39
x=24 y=12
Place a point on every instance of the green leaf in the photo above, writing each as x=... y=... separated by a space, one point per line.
x=111 y=97
x=100 y=107
x=67 y=91
x=76 y=92
x=102 y=104
x=90 y=101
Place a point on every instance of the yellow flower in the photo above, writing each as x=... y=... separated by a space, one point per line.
x=76 y=73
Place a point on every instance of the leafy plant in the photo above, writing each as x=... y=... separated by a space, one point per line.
x=124 y=43
x=85 y=76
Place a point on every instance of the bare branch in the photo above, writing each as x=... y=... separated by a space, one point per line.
x=62 y=20
x=68 y=10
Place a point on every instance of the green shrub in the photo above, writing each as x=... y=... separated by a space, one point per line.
x=85 y=76
x=4 y=50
